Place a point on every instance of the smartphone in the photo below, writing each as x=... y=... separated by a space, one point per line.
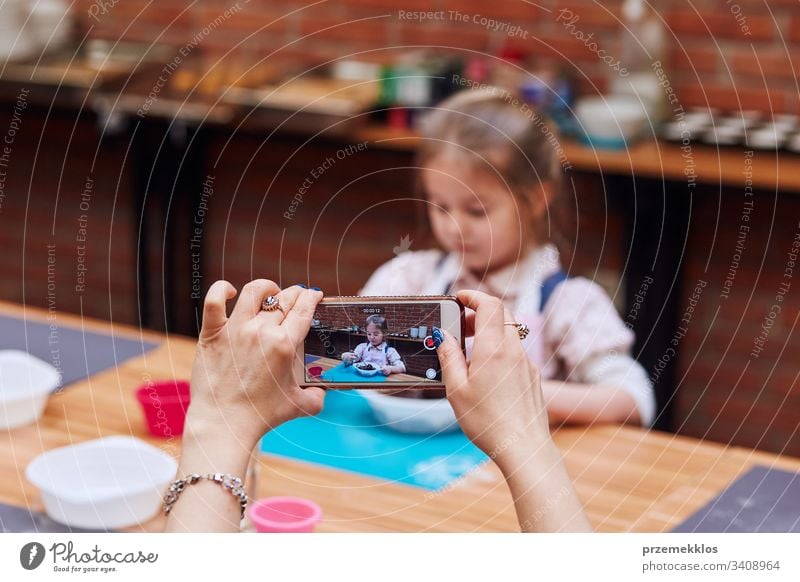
x=378 y=342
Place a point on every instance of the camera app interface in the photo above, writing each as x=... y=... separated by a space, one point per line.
x=387 y=342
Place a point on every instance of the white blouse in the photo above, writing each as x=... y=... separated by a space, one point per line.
x=579 y=337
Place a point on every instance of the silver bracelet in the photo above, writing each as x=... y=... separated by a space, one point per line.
x=229 y=482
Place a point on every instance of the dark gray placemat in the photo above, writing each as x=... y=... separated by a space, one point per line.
x=763 y=500
x=21 y=520
x=77 y=354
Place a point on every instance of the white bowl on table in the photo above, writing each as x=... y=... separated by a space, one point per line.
x=25 y=384
x=359 y=366
x=411 y=415
x=106 y=483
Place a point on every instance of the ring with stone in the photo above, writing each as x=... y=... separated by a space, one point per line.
x=522 y=329
x=272 y=303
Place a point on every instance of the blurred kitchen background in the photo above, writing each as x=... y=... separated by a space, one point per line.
x=150 y=148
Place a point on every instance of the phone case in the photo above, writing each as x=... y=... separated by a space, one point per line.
x=397 y=385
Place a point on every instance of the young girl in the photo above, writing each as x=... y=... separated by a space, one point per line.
x=490 y=173
x=375 y=351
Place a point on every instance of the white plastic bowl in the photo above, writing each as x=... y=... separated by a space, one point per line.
x=367 y=373
x=611 y=119
x=25 y=384
x=411 y=415
x=105 y=483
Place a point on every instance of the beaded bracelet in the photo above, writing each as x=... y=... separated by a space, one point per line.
x=229 y=482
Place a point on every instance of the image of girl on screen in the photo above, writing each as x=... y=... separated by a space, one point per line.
x=375 y=350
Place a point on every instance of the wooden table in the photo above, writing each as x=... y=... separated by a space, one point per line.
x=629 y=479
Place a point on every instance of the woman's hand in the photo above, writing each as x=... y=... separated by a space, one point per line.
x=498 y=402
x=497 y=397
x=243 y=378
x=243 y=385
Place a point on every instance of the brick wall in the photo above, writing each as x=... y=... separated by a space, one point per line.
x=399 y=318
x=61 y=211
x=710 y=54
x=738 y=365
x=344 y=224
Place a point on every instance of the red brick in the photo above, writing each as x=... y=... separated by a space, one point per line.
x=734 y=98
x=357 y=31
x=457 y=37
x=565 y=47
x=764 y=64
x=513 y=10
x=721 y=23
x=695 y=58
x=244 y=21
x=591 y=15
x=388 y=6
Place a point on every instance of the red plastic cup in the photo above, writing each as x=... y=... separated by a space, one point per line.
x=164 y=404
x=285 y=515
x=315 y=371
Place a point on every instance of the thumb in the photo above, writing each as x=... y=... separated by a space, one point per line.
x=214 y=311
x=453 y=363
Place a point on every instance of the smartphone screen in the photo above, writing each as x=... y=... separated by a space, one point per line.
x=378 y=341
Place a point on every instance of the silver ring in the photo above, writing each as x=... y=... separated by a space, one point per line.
x=272 y=303
x=522 y=329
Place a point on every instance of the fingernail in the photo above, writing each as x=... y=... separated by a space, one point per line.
x=303 y=285
x=316 y=289
x=438 y=337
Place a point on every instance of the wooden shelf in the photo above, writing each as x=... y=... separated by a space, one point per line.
x=772 y=171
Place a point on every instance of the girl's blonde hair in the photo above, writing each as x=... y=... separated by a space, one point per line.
x=496 y=131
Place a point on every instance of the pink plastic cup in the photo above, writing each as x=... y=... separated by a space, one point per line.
x=285 y=515
x=315 y=371
x=164 y=404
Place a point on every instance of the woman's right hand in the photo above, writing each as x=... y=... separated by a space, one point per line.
x=497 y=397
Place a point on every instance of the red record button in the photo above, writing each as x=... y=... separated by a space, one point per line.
x=429 y=343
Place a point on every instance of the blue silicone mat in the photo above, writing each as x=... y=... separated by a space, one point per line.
x=348 y=375
x=346 y=436
x=76 y=353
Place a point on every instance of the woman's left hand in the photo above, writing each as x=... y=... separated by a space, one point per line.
x=243 y=379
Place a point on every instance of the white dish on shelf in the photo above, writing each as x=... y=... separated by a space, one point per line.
x=794 y=143
x=724 y=134
x=700 y=116
x=786 y=122
x=766 y=138
x=106 y=483
x=25 y=385
x=610 y=119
